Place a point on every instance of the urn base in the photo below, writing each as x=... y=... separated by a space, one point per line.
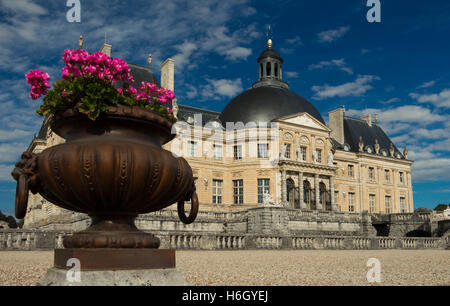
x=113 y=267
x=116 y=231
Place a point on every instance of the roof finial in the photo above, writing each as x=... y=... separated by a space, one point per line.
x=80 y=42
x=150 y=59
x=269 y=37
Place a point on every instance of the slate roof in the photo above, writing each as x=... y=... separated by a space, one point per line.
x=266 y=103
x=354 y=128
x=184 y=112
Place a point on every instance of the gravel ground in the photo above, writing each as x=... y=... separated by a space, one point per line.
x=272 y=268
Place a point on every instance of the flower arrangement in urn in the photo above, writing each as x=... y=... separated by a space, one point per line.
x=87 y=85
x=112 y=165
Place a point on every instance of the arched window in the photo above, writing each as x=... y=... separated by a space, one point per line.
x=268 y=69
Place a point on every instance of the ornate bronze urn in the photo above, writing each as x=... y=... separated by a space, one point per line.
x=112 y=169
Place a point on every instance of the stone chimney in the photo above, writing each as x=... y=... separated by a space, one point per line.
x=106 y=49
x=367 y=119
x=337 y=124
x=167 y=74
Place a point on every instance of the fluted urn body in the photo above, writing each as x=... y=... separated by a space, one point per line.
x=112 y=169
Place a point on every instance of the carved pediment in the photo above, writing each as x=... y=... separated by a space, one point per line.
x=305 y=119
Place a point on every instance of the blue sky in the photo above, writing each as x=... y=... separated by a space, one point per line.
x=398 y=68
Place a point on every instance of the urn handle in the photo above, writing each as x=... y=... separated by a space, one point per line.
x=27 y=177
x=194 y=209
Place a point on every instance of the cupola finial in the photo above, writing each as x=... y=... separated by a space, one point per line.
x=269 y=37
x=80 y=42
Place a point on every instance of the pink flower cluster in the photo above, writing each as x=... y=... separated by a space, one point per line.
x=151 y=92
x=98 y=64
x=39 y=84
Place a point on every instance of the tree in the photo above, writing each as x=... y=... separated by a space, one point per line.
x=11 y=222
x=441 y=207
x=422 y=209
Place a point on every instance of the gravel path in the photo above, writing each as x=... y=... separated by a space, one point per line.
x=306 y=267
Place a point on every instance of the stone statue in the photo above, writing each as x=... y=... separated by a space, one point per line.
x=330 y=158
x=361 y=144
x=283 y=151
x=315 y=156
x=405 y=152
x=175 y=109
x=377 y=146
x=267 y=200
x=392 y=150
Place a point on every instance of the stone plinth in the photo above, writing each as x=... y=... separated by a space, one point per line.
x=113 y=267
x=146 y=277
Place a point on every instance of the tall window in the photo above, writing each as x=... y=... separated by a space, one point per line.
x=402 y=178
x=402 y=204
x=288 y=151
x=192 y=148
x=263 y=150
x=372 y=203
x=263 y=187
x=217 y=152
x=238 y=192
x=388 y=204
x=351 y=201
x=319 y=156
x=302 y=153
x=387 y=176
x=238 y=152
x=350 y=170
x=217 y=191
x=371 y=174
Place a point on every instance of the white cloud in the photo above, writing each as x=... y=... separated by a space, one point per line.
x=441 y=99
x=216 y=89
x=295 y=41
x=185 y=52
x=332 y=35
x=23 y=7
x=291 y=74
x=5 y=173
x=238 y=53
x=356 y=88
x=14 y=134
x=405 y=113
x=431 y=169
x=11 y=152
x=339 y=63
x=392 y=100
x=427 y=84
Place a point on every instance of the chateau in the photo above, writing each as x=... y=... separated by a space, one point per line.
x=270 y=147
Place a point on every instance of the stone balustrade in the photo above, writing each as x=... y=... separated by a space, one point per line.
x=37 y=240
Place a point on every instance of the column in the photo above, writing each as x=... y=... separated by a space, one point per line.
x=283 y=187
x=300 y=191
x=316 y=186
x=333 y=200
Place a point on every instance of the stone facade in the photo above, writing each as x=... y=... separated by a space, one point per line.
x=305 y=166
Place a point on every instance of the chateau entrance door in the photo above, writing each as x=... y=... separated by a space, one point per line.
x=292 y=198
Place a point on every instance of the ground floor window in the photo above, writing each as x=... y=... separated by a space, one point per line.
x=372 y=203
x=402 y=205
x=263 y=187
x=388 y=204
x=217 y=191
x=351 y=201
x=238 y=192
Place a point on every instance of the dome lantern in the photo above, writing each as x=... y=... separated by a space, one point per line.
x=270 y=68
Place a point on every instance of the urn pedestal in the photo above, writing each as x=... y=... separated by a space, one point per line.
x=112 y=169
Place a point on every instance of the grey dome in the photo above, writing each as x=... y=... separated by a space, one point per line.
x=266 y=103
